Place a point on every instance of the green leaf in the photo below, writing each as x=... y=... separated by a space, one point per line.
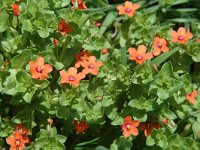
x=143 y=104
x=65 y=3
x=196 y=129
x=107 y=22
x=23 y=77
x=27 y=26
x=1 y=60
x=68 y=56
x=107 y=102
x=94 y=141
x=4 y=21
x=25 y=117
x=63 y=112
x=182 y=143
x=181 y=20
x=58 y=65
x=41 y=84
x=44 y=143
x=121 y=143
x=150 y=141
x=49 y=139
x=161 y=58
x=166 y=70
x=123 y=56
x=44 y=33
x=28 y=96
x=178 y=2
x=21 y=59
x=139 y=115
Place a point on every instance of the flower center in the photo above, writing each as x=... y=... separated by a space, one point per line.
x=38 y=69
x=81 y=57
x=139 y=57
x=71 y=78
x=17 y=142
x=180 y=38
x=127 y=10
x=128 y=126
x=190 y=95
x=159 y=45
x=91 y=66
x=149 y=126
x=80 y=127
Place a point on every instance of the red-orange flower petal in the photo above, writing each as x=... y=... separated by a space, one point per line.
x=55 y=42
x=159 y=45
x=147 y=127
x=50 y=121
x=15 y=9
x=81 y=4
x=22 y=130
x=64 y=28
x=165 y=120
x=192 y=97
x=80 y=126
x=81 y=58
x=104 y=51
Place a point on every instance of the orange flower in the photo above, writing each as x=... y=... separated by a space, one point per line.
x=129 y=127
x=91 y=66
x=80 y=126
x=129 y=8
x=81 y=58
x=81 y=4
x=104 y=51
x=71 y=76
x=39 y=70
x=55 y=42
x=15 y=9
x=23 y=131
x=64 y=28
x=192 y=96
x=16 y=141
x=182 y=36
x=148 y=127
x=140 y=55
x=159 y=45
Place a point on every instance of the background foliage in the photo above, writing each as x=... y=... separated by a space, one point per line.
x=121 y=88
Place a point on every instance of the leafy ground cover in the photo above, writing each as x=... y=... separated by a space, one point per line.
x=99 y=74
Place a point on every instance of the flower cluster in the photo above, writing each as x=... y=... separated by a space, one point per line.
x=129 y=127
x=89 y=65
x=35 y=68
x=159 y=45
x=39 y=70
